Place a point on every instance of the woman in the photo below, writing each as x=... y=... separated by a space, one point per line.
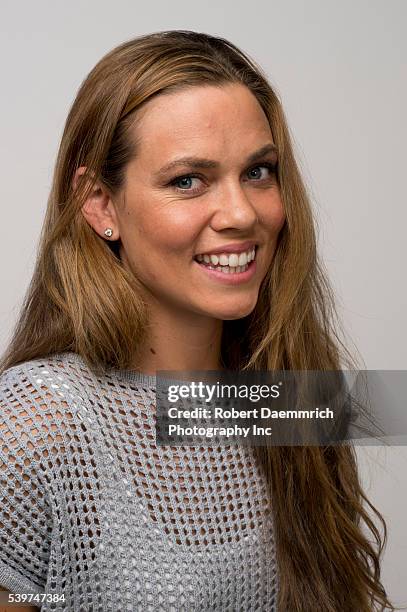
x=149 y=261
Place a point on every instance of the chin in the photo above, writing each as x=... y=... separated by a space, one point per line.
x=236 y=316
x=236 y=311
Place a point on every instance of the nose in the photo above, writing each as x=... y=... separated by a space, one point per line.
x=233 y=210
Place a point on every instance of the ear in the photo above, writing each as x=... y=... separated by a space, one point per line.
x=98 y=209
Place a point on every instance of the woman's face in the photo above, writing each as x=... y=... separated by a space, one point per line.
x=190 y=229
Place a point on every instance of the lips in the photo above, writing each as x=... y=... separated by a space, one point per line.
x=236 y=247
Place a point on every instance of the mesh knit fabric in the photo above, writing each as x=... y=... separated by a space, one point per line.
x=91 y=507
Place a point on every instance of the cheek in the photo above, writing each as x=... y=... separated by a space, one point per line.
x=162 y=231
x=273 y=216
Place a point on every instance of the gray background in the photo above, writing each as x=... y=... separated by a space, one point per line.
x=340 y=69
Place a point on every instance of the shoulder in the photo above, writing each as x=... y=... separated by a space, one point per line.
x=46 y=371
x=32 y=383
x=61 y=383
x=60 y=372
x=46 y=396
x=55 y=379
x=37 y=399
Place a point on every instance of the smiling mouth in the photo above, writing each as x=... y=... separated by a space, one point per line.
x=228 y=263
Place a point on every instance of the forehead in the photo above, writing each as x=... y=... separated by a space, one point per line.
x=201 y=119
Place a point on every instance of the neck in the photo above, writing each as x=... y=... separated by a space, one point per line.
x=179 y=340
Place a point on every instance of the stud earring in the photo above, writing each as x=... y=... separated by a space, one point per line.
x=108 y=232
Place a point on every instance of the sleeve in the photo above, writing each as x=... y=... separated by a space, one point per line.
x=25 y=516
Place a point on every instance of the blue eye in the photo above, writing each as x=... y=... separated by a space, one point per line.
x=184 y=184
x=184 y=181
x=257 y=168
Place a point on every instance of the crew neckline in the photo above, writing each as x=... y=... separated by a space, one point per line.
x=134 y=376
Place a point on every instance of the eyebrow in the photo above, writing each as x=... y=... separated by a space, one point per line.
x=200 y=162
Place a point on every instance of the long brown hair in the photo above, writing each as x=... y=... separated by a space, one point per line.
x=82 y=299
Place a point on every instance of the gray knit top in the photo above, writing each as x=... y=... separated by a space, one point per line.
x=92 y=508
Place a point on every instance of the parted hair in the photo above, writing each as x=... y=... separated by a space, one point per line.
x=329 y=538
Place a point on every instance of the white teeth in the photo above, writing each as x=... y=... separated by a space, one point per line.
x=233 y=261
x=224 y=260
x=226 y=269
x=242 y=259
x=250 y=256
